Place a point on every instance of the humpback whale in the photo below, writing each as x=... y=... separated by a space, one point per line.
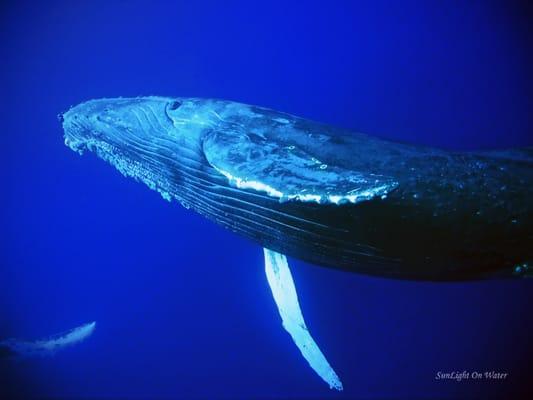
x=25 y=348
x=321 y=194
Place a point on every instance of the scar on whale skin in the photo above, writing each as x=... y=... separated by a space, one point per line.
x=45 y=347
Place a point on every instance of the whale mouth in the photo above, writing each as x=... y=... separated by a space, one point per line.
x=75 y=132
x=79 y=132
x=85 y=125
x=80 y=138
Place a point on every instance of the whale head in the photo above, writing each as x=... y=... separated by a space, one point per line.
x=152 y=139
x=110 y=124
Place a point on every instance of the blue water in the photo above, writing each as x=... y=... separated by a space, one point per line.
x=183 y=308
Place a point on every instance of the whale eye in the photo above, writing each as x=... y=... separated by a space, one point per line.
x=174 y=105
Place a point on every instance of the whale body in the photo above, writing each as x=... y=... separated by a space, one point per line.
x=322 y=194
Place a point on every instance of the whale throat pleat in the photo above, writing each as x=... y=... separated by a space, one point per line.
x=282 y=285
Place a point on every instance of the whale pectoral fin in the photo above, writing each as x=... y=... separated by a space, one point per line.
x=280 y=280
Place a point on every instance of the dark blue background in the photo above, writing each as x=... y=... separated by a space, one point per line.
x=182 y=306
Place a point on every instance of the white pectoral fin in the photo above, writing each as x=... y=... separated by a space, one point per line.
x=280 y=280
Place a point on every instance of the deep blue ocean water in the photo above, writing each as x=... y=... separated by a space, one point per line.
x=182 y=306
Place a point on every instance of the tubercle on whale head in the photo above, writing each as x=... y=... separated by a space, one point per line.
x=113 y=121
x=145 y=138
x=137 y=119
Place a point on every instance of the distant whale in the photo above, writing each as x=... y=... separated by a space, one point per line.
x=321 y=194
x=29 y=348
